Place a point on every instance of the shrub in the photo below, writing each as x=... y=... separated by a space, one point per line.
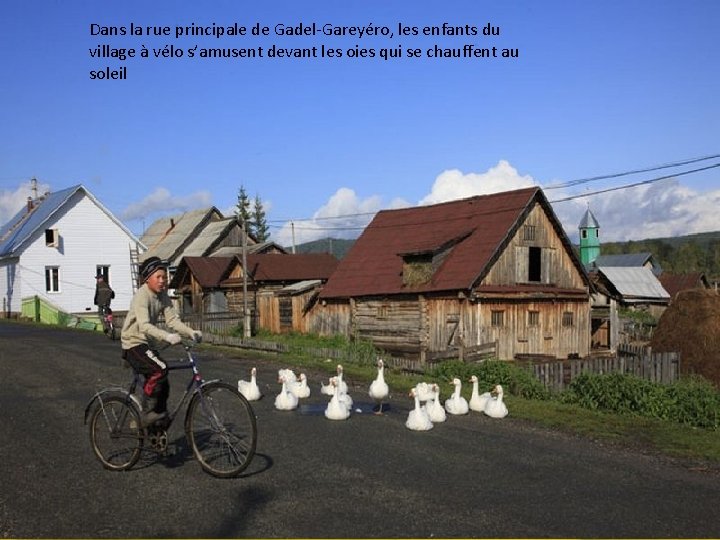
x=515 y=380
x=691 y=401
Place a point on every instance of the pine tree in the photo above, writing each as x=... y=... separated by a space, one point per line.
x=242 y=210
x=260 y=226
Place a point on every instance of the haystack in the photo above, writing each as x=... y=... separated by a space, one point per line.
x=691 y=326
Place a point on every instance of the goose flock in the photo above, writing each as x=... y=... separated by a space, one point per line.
x=428 y=407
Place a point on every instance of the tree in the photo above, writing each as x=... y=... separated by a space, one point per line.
x=242 y=210
x=260 y=226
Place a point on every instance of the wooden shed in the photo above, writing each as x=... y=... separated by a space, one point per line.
x=281 y=288
x=493 y=271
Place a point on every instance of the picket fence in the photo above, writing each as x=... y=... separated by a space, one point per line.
x=639 y=361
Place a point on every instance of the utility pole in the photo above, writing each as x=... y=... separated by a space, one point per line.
x=246 y=313
x=292 y=224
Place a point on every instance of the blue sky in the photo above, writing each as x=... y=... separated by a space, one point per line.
x=597 y=88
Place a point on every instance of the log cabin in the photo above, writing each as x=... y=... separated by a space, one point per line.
x=455 y=278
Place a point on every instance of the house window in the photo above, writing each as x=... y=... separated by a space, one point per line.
x=52 y=279
x=497 y=318
x=529 y=233
x=383 y=311
x=533 y=318
x=51 y=237
x=104 y=271
x=534 y=263
x=583 y=233
x=567 y=318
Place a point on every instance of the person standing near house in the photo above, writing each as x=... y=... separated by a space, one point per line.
x=141 y=337
x=103 y=294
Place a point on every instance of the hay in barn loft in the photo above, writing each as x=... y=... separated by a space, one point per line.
x=691 y=326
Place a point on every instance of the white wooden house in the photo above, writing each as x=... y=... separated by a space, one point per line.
x=54 y=247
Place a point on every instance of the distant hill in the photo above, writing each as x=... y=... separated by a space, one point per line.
x=334 y=246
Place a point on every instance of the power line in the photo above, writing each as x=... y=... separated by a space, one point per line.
x=571 y=183
x=564 y=199
x=635 y=184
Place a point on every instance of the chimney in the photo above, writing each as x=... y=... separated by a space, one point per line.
x=29 y=204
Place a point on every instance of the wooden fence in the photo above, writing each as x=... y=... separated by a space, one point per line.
x=661 y=368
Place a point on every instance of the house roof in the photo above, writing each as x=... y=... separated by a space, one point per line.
x=208 y=271
x=262 y=247
x=167 y=236
x=208 y=236
x=625 y=259
x=588 y=221
x=290 y=267
x=674 y=283
x=15 y=234
x=634 y=282
x=473 y=232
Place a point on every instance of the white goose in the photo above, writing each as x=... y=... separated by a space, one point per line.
x=300 y=389
x=495 y=406
x=434 y=407
x=477 y=400
x=418 y=419
x=379 y=389
x=456 y=404
x=285 y=400
x=424 y=391
x=250 y=389
x=336 y=409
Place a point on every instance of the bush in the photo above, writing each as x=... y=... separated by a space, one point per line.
x=691 y=401
x=515 y=380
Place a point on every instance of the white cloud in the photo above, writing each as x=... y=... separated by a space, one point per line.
x=12 y=201
x=453 y=184
x=162 y=202
x=661 y=209
x=658 y=210
x=343 y=216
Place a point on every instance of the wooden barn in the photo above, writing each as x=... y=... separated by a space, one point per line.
x=452 y=279
x=280 y=288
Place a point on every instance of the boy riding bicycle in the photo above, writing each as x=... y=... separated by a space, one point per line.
x=141 y=336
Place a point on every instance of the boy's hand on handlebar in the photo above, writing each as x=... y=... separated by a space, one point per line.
x=173 y=339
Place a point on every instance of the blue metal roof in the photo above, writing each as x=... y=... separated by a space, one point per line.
x=24 y=224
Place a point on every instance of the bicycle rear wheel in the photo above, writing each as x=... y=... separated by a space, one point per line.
x=221 y=428
x=115 y=433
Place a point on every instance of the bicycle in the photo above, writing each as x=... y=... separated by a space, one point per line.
x=220 y=424
x=106 y=316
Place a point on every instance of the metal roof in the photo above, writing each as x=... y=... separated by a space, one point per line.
x=16 y=232
x=167 y=235
x=635 y=282
x=205 y=239
x=588 y=221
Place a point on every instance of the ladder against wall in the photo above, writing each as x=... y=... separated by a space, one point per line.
x=134 y=265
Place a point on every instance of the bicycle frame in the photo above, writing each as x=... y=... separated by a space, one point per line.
x=194 y=385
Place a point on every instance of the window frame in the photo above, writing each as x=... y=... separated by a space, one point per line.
x=52 y=279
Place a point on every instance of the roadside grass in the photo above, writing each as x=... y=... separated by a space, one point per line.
x=630 y=430
x=663 y=436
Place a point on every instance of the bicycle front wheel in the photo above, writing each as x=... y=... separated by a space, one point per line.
x=115 y=433
x=221 y=429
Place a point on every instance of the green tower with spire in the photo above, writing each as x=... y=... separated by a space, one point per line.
x=589 y=238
